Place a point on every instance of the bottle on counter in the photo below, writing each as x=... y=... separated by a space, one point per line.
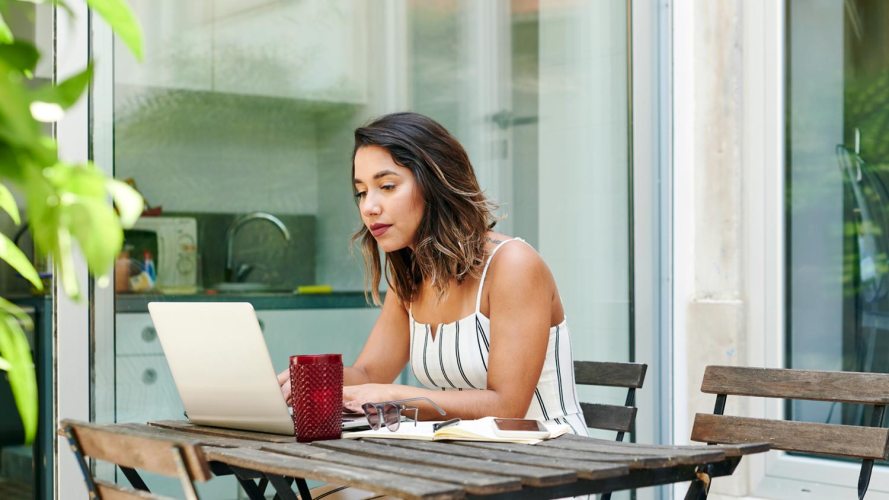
x=149 y=268
x=122 y=271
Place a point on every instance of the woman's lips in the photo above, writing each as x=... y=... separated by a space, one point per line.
x=379 y=229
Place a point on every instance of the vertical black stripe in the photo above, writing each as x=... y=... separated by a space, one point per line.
x=480 y=334
x=571 y=376
x=441 y=356
x=413 y=344
x=459 y=364
x=573 y=429
x=559 y=375
x=425 y=367
x=540 y=402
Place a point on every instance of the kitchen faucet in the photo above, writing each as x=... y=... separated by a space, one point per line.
x=236 y=276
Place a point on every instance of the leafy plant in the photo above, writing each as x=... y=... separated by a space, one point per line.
x=66 y=204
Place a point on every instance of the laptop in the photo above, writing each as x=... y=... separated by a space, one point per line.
x=221 y=366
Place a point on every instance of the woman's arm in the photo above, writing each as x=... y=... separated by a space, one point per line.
x=385 y=352
x=520 y=292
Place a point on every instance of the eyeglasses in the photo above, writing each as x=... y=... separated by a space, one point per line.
x=389 y=413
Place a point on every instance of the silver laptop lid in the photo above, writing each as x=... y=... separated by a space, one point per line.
x=221 y=366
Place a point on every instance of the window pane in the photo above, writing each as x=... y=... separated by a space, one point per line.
x=837 y=179
x=244 y=106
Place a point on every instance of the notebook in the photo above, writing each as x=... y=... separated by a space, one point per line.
x=465 y=430
x=221 y=366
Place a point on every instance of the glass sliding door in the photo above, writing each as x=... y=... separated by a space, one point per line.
x=249 y=106
x=837 y=176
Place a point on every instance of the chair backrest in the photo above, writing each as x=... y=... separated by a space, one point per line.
x=611 y=417
x=867 y=443
x=132 y=449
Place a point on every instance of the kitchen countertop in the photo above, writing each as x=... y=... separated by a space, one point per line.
x=132 y=303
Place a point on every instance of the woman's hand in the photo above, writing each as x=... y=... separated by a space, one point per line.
x=284 y=382
x=356 y=395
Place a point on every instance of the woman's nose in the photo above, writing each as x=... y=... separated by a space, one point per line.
x=370 y=207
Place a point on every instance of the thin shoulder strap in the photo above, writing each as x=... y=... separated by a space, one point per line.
x=481 y=283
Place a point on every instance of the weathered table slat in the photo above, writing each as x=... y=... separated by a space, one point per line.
x=672 y=456
x=730 y=450
x=841 y=440
x=474 y=482
x=180 y=425
x=198 y=438
x=583 y=468
x=530 y=475
x=367 y=478
x=847 y=387
x=556 y=454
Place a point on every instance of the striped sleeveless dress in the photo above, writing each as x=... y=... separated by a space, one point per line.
x=456 y=359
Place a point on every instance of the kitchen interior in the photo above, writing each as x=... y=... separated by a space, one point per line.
x=237 y=130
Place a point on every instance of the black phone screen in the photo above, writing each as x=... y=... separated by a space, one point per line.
x=519 y=424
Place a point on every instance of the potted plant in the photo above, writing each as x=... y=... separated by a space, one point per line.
x=66 y=204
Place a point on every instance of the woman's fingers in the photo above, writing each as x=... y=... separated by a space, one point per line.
x=285 y=391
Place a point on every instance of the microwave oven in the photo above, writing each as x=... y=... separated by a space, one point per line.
x=173 y=242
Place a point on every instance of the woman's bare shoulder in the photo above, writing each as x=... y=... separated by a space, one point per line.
x=518 y=262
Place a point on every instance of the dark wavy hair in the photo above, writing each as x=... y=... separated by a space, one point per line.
x=450 y=242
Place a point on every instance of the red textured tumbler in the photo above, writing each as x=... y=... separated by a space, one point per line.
x=316 y=382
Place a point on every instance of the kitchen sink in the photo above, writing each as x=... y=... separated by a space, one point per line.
x=246 y=287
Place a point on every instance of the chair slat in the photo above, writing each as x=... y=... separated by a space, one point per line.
x=845 y=387
x=629 y=375
x=139 y=449
x=826 y=439
x=609 y=417
x=109 y=491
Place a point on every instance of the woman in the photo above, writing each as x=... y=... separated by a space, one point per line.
x=484 y=335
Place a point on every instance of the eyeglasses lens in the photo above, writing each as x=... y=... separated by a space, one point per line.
x=372 y=412
x=392 y=416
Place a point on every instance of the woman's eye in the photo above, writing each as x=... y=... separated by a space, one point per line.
x=360 y=194
x=387 y=187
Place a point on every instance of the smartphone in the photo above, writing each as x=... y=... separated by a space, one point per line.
x=522 y=428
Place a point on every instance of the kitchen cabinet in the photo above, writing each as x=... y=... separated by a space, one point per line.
x=309 y=50
x=177 y=43
x=313 y=50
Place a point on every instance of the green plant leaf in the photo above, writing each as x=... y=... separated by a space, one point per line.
x=17 y=126
x=128 y=201
x=20 y=55
x=5 y=32
x=17 y=353
x=66 y=93
x=14 y=256
x=119 y=16
x=17 y=312
x=4 y=365
x=9 y=205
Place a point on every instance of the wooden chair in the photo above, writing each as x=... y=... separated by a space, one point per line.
x=865 y=443
x=621 y=419
x=133 y=449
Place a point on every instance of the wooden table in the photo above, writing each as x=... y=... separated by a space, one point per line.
x=565 y=466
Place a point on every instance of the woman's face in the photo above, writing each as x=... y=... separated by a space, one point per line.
x=389 y=198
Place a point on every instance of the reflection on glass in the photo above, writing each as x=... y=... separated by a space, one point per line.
x=837 y=179
x=246 y=106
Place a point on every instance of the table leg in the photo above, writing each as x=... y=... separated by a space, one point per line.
x=245 y=478
x=282 y=487
x=303 y=488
